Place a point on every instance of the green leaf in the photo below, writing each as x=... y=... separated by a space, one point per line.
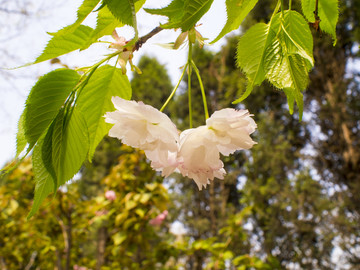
x=250 y=55
x=83 y=11
x=328 y=12
x=174 y=11
x=183 y=14
x=193 y=11
x=236 y=10
x=65 y=42
x=59 y=154
x=288 y=58
x=95 y=100
x=45 y=101
x=44 y=183
x=47 y=151
x=105 y=25
x=21 y=141
x=118 y=238
x=281 y=52
x=70 y=144
x=124 y=10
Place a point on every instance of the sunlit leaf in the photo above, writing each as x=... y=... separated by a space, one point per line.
x=21 y=141
x=328 y=12
x=83 y=11
x=44 y=182
x=236 y=10
x=70 y=144
x=250 y=55
x=45 y=101
x=106 y=23
x=95 y=100
x=183 y=14
x=174 y=11
x=65 y=42
x=123 y=9
x=193 y=11
x=281 y=52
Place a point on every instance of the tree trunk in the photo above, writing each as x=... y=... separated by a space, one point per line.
x=101 y=246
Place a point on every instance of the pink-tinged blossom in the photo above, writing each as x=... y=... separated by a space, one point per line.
x=231 y=129
x=199 y=157
x=195 y=153
x=163 y=161
x=144 y=127
x=159 y=219
x=119 y=43
x=125 y=55
x=110 y=195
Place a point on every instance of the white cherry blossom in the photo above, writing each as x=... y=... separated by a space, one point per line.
x=199 y=157
x=195 y=153
x=142 y=126
x=231 y=130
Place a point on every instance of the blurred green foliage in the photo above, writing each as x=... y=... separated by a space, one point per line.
x=286 y=203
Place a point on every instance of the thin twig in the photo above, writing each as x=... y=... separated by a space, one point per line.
x=11 y=11
x=143 y=39
x=316 y=9
x=315 y=24
x=32 y=260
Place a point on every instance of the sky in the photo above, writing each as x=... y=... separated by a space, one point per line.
x=24 y=37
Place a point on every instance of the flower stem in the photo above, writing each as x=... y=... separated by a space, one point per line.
x=202 y=89
x=174 y=90
x=189 y=83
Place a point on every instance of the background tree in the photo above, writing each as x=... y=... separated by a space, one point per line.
x=291 y=215
x=290 y=200
x=333 y=99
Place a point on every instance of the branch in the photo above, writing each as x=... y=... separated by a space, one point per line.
x=316 y=10
x=143 y=39
x=32 y=260
x=20 y=12
x=3 y=264
x=315 y=24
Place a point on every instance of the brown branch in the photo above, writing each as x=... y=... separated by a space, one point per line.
x=316 y=10
x=145 y=38
x=315 y=24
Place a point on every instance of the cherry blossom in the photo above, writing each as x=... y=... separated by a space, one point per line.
x=195 y=153
x=231 y=129
x=144 y=127
x=199 y=157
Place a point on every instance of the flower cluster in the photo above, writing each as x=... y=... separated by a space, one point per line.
x=194 y=153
